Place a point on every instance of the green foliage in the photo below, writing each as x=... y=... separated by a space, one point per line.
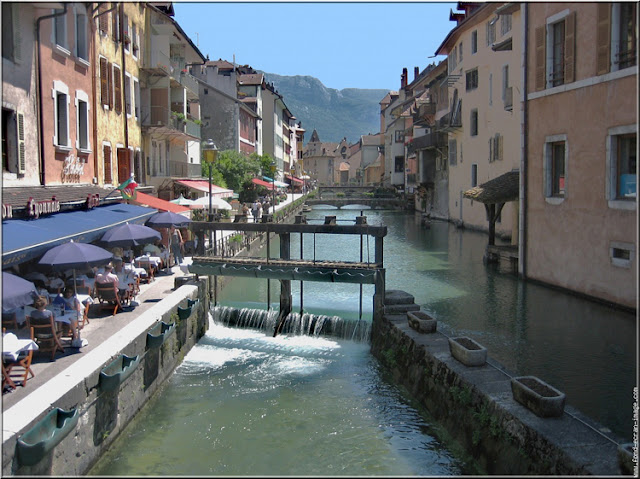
x=461 y=395
x=235 y=168
x=236 y=238
x=340 y=195
x=390 y=357
x=475 y=437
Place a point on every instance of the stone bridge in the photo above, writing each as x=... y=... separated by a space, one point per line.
x=339 y=196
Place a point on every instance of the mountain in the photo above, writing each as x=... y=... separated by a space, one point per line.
x=335 y=114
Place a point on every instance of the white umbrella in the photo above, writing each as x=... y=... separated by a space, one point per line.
x=216 y=203
x=182 y=201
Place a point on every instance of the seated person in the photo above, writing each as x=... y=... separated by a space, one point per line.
x=70 y=302
x=126 y=279
x=110 y=277
x=55 y=284
x=151 y=248
x=40 y=312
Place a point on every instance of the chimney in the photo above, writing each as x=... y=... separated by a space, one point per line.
x=416 y=72
x=403 y=78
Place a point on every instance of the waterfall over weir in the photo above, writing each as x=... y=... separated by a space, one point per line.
x=295 y=324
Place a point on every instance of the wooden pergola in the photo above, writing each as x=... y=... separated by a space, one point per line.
x=494 y=194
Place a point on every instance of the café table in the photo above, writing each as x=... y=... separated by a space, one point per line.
x=12 y=346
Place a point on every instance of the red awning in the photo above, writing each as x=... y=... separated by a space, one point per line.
x=263 y=183
x=201 y=185
x=147 y=200
x=293 y=178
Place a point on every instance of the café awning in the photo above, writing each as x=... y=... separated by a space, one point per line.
x=294 y=179
x=162 y=205
x=257 y=181
x=23 y=240
x=201 y=185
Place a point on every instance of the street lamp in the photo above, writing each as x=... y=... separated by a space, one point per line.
x=210 y=152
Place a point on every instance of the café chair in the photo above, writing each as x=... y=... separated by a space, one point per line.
x=18 y=370
x=46 y=335
x=108 y=297
x=9 y=320
x=149 y=269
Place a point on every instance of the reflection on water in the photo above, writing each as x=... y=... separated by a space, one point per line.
x=244 y=403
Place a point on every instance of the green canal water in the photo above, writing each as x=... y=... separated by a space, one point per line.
x=245 y=403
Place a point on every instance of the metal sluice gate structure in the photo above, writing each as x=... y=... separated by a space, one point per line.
x=285 y=269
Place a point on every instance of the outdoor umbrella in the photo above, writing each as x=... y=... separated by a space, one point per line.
x=130 y=234
x=182 y=201
x=74 y=256
x=16 y=291
x=216 y=203
x=168 y=219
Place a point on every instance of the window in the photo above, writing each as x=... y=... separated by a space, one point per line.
x=82 y=106
x=61 y=114
x=106 y=159
x=453 y=158
x=491 y=33
x=474 y=41
x=452 y=60
x=472 y=79
x=399 y=136
x=127 y=94
x=505 y=24
x=127 y=33
x=622 y=254
x=460 y=52
x=11 y=36
x=555 y=166
x=136 y=98
x=621 y=165
x=626 y=56
x=135 y=41
x=115 y=24
x=473 y=120
x=474 y=175
x=490 y=89
x=505 y=81
x=60 y=29
x=117 y=90
x=399 y=164
x=555 y=51
x=82 y=47
x=103 y=20
x=495 y=148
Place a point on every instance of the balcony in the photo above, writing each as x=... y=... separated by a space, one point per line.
x=164 y=121
x=508 y=98
x=161 y=65
x=430 y=140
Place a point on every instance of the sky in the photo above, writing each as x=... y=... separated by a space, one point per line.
x=344 y=45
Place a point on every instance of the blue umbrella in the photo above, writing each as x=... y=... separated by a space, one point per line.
x=168 y=219
x=16 y=292
x=74 y=256
x=130 y=234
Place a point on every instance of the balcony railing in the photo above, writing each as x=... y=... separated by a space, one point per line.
x=185 y=170
x=430 y=140
x=508 y=98
x=161 y=117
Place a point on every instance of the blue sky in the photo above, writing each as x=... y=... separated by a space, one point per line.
x=344 y=45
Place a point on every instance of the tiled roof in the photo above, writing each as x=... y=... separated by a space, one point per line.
x=501 y=189
x=251 y=79
x=19 y=195
x=221 y=64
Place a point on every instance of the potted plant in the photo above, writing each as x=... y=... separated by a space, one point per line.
x=126 y=38
x=467 y=351
x=541 y=398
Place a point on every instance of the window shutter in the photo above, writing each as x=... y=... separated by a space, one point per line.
x=540 y=57
x=491 y=150
x=500 y=140
x=103 y=20
x=17 y=37
x=22 y=161
x=107 y=163
x=110 y=83
x=117 y=84
x=104 y=82
x=496 y=147
x=603 y=39
x=570 y=48
x=114 y=25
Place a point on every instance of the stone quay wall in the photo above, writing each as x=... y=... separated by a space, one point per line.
x=103 y=414
x=476 y=408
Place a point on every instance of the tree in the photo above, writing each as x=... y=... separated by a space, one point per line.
x=236 y=168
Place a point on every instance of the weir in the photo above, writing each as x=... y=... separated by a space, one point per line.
x=286 y=269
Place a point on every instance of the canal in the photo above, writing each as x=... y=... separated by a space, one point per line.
x=245 y=403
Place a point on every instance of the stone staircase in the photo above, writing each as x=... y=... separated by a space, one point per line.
x=399 y=302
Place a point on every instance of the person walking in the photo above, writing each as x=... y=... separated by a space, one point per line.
x=176 y=245
x=254 y=210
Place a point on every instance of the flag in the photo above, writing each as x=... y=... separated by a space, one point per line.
x=128 y=189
